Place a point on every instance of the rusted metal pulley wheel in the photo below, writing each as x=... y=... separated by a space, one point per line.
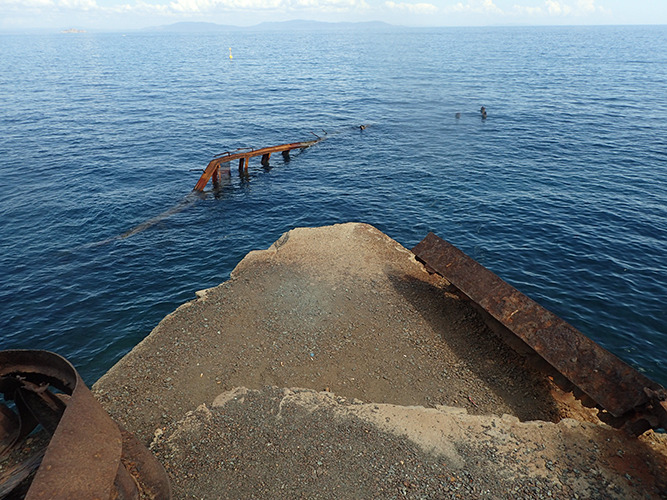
x=87 y=455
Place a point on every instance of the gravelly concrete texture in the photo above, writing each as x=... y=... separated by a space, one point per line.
x=346 y=310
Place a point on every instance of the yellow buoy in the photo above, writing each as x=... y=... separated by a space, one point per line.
x=230 y=53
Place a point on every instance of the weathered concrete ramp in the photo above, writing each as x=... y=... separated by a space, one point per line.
x=348 y=311
x=343 y=308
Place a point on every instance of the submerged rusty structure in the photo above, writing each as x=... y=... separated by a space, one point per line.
x=633 y=400
x=243 y=155
x=59 y=443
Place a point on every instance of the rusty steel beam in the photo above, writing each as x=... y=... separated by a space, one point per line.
x=244 y=157
x=610 y=382
x=265 y=159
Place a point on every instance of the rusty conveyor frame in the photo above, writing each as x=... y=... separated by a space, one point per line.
x=212 y=170
x=635 y=401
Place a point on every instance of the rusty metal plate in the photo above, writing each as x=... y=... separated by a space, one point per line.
x=87 y=453
x=610 y=382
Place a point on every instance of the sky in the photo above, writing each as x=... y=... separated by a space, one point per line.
x=118 y=15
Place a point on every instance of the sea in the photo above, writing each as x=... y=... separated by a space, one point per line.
x=561 y=190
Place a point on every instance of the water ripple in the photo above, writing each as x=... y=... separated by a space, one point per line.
x=561 y=191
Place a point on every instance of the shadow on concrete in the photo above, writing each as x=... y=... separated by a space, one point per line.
x=507 y=374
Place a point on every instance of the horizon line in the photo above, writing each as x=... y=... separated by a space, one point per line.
x=84 y=30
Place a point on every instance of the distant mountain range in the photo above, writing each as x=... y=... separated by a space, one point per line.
x=298 y=25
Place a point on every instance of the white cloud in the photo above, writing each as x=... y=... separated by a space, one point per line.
x=77 y=4
x=459 y=7
x=531 y=11
x=185 y=7
x=49 y=5
x=490 y=7
x=475 y=6
x=322 y=4
x=557 y=8
x=141 y=7
x=589 y=7
x=560 y=8
x=471 y=10
x=414 y=8
x=190 y=5
x=28 y=4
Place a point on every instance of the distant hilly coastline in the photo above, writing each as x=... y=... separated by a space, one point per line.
x=193 y=27
x=208 y=27
x=297 y=25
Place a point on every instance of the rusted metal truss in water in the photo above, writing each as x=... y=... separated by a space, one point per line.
x=88 y=455
x=212 y=170
x=634 y=400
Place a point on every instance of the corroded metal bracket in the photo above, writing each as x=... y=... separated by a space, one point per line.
x=611 y=383
x=88 y=456
x=212 y=170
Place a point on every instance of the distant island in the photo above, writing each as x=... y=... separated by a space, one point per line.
x=208 y=27
x=296 y=25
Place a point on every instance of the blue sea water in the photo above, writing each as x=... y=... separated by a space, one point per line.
x=562 y=190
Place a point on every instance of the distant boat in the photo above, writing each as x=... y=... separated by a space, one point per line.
x=73 y=30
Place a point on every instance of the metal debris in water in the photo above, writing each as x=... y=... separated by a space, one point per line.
x=212 y=170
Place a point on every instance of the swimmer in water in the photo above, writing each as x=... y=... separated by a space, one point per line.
x=483 y=111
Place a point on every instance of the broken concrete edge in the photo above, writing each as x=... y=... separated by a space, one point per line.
x=447 y=434
x=348 y=229
x=260 y=255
